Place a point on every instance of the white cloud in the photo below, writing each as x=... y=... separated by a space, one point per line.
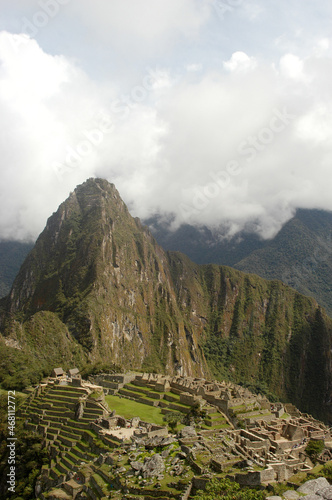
x=238 y=151
x=316 y=125
x=45 y=103
x=321 y=47
x=241 y=62
x=291 y=66
x=239 y=143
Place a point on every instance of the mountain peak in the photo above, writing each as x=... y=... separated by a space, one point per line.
x=96 y=188
x=70 y=244
x=93 y=193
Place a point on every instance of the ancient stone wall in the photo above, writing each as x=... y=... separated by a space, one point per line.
x=255 y=478
x=189 y=399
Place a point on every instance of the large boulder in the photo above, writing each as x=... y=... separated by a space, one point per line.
x=154 y=466
x=325 y=493
x=157 y=441
x=79 y=410
x=312 y=497
x=135 y=422
x=187 y=432
x=291 y=495
x=137 y=466
x=311 y=487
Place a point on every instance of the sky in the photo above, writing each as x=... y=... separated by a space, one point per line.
x=208 y=112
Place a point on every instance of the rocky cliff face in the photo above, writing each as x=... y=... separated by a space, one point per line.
x=122 y=299
x=102 y=272
x=255 y=331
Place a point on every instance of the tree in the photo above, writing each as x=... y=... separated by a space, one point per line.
x=196 y=413
x=173 y=419
x=314 y=449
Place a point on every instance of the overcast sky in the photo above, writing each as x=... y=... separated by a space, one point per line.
x=212 y=111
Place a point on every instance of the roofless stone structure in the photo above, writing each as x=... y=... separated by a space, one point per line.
x=95 y=452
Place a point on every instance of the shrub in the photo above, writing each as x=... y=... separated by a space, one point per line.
x=173 y=419
x=227 y=490
x=314 y=449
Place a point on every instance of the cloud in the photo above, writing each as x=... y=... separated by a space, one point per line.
x=241 y=62
x=240 y=152
x=291 y=66
x=243 y=144
x=45 y=102
x=109 y=39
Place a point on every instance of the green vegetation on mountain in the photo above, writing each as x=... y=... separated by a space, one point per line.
x=29 y=349
x=300 y=254
x=259 y=332
x=98 y=289
x=12 y=254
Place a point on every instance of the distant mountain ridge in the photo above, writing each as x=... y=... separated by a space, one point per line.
x=98 y=287
x=205 y=245
x=300 y=255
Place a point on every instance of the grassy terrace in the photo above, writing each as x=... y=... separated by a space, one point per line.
x=130 y=409
x=173 y=395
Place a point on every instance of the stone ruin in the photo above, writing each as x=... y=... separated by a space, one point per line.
x=269 y=449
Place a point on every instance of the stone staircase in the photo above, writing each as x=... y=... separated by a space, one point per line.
x=72 y=443
x=215 y=420
x=292 y=410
